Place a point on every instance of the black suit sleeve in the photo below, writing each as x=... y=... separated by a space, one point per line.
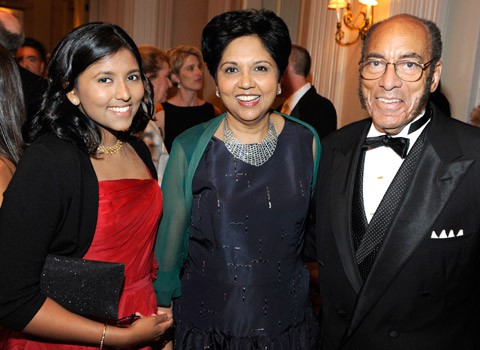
x=317 y=111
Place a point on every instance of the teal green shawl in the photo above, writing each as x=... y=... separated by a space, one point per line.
x=171 y=246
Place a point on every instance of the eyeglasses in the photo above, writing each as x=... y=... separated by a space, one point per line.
x=407 y=70
x=127 y=321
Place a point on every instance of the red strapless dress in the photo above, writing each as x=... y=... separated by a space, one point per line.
x=128 y=215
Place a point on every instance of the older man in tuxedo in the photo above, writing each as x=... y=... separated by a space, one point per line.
x=398 y=229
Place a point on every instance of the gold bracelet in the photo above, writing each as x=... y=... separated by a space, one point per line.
x=103 y=336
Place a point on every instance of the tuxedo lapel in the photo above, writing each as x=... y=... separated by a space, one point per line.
x=416 y=214
x=345 y=162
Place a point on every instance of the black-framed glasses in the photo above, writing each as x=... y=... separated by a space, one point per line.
x=127 y=321
x=407 y=70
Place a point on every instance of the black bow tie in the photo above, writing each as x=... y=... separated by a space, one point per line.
x=398 y=144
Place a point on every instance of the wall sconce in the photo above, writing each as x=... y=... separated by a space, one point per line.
x=350 y=21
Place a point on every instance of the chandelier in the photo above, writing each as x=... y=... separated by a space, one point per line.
x=359 y=23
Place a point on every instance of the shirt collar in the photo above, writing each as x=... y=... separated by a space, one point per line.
x=404 y=133
x=297 y=95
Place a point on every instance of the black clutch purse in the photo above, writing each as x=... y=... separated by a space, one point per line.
x=85 y=287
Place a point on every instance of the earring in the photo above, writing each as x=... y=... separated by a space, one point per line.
x=179 y=85
x=217 y=93
x=73 y=98
x=279 y=90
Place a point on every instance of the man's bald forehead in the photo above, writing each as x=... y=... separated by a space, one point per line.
x=10 y=22
x=405 y=20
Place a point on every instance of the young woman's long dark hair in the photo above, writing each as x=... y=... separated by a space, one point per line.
x=82 y=47
x=12 y=108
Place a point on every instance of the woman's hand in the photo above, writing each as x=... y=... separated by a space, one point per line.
x=144 y=330
x=53 y=322
x=167 y=343
x=164 y=310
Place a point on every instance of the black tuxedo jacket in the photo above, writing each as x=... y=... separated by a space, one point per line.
x=422 y=292
x=317 y=111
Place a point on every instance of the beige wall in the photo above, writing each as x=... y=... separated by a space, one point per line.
x=190 y=18
x=167 y=23
x=461 y=58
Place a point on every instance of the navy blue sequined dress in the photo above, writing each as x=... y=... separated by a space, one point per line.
x=245 y=285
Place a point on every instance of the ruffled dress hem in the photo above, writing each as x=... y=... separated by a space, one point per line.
x=302 y=336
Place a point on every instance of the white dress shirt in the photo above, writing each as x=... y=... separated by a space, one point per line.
x=381 y=166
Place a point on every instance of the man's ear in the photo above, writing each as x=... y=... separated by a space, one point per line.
x=437 y=72
x=73 y=98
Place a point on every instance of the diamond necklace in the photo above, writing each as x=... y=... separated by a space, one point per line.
x=111 y=150
x=254 y=154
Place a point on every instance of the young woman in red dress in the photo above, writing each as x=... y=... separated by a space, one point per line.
x=85 y=187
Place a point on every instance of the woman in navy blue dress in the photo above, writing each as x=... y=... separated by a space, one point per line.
x=238 y=190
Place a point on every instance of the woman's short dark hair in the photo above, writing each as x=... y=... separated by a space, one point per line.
x=82 y=47
x=266 y=25
x=12 y=107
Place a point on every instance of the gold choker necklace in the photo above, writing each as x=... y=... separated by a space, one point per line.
x=111 y=150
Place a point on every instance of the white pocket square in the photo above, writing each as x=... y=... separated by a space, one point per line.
x=445 y=235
